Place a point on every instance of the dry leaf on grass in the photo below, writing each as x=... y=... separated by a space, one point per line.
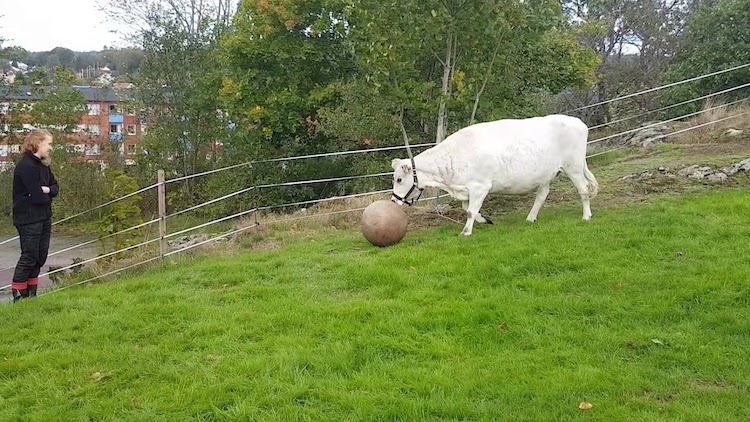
x=584 y=405
x=98 y=376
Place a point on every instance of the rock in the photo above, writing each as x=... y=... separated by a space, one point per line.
x=649 y=142
x=695 y=172
x=638 y=176
x=187 y=241
x=733 y=132
x=687 y=171
x=648 y=136
x=645 y=175
x=743 y=165
x=700 y=173
x=717 y=177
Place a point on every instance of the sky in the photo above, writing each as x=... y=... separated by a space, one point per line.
x=41 y=25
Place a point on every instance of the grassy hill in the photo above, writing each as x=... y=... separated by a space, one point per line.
x=643 y=312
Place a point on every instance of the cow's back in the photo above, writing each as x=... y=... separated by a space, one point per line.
x=516 y=155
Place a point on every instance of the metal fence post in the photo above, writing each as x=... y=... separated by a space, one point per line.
x=162 y=189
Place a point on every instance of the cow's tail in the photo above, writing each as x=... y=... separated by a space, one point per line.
x=593 y=184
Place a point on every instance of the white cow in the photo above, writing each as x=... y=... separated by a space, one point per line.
x=510 y=156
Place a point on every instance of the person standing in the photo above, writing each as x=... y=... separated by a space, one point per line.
x=34 y=186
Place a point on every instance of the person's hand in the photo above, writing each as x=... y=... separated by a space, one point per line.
x=45 y=189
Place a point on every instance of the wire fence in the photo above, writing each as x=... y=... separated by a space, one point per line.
x=255 y=210
x=659 y=88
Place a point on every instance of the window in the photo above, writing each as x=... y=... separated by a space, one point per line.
x=80 y=128
x=4 y=107
x=94 y=109
x=131 y=149
x=93 y=150
x=15 y=149
x=131 y=129
x=113 y=108
x=113 y=129
x=94 y=129
x=4 y=150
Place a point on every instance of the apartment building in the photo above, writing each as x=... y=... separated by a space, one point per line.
x=111 y=116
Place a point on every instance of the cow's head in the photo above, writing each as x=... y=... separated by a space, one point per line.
x=405 y=185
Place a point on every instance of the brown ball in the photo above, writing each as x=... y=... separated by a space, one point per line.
x=384 y=223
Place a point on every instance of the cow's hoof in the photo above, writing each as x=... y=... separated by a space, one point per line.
x=530 y=220
x=487 y=220
x=465 y=234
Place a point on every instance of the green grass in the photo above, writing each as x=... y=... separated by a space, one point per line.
x=643 y=312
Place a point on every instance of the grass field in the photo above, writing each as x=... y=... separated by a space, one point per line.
x=643 y=312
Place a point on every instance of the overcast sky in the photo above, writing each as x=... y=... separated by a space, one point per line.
x=41 y=25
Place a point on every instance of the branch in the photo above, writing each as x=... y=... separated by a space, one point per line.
x=180 y=16
x=484 y=83
x=439 y=59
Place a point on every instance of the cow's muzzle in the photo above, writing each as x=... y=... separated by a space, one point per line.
x=405 y=200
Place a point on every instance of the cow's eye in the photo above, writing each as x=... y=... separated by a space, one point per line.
x=398 y=180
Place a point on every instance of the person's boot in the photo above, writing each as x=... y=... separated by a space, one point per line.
x=32 y=285
x=19 y=294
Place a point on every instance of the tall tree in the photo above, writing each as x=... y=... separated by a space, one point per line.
x=716 y=38
x=178 y=82
x=635 y=41
x=284 y=62
x=439 y=65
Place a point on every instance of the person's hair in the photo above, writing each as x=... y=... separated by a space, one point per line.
x=34 y=139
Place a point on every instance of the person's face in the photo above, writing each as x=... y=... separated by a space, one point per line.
x=44 y=147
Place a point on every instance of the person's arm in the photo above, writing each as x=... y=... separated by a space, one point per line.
x=30 y=180
x=53 y=188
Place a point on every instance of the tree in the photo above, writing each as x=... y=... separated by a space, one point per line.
x=635 y=41
x=284 y=62
x=122 y=214
x=717 y=37
x=124 y=61
x=63 y=56
x=61 y=107
x=178 y=84
x=433 y=61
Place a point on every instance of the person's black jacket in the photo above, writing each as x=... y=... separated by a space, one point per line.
x=30 y=204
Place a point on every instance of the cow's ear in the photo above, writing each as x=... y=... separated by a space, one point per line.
x=406 y=168
x=394 y=163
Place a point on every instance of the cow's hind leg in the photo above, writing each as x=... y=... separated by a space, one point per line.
x=579 y=180
x=480 y=218
x=541 y=196
x=476 y=198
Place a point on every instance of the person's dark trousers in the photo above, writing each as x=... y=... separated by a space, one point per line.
x=35 y=239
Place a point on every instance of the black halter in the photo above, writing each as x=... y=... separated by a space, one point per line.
x=414 y=187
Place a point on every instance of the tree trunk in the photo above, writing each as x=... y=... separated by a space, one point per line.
x=441 y=123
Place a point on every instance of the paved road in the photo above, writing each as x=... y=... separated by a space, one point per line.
x=10 y=252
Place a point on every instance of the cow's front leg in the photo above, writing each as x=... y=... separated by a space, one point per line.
x=480 y=218
x=476 y=198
